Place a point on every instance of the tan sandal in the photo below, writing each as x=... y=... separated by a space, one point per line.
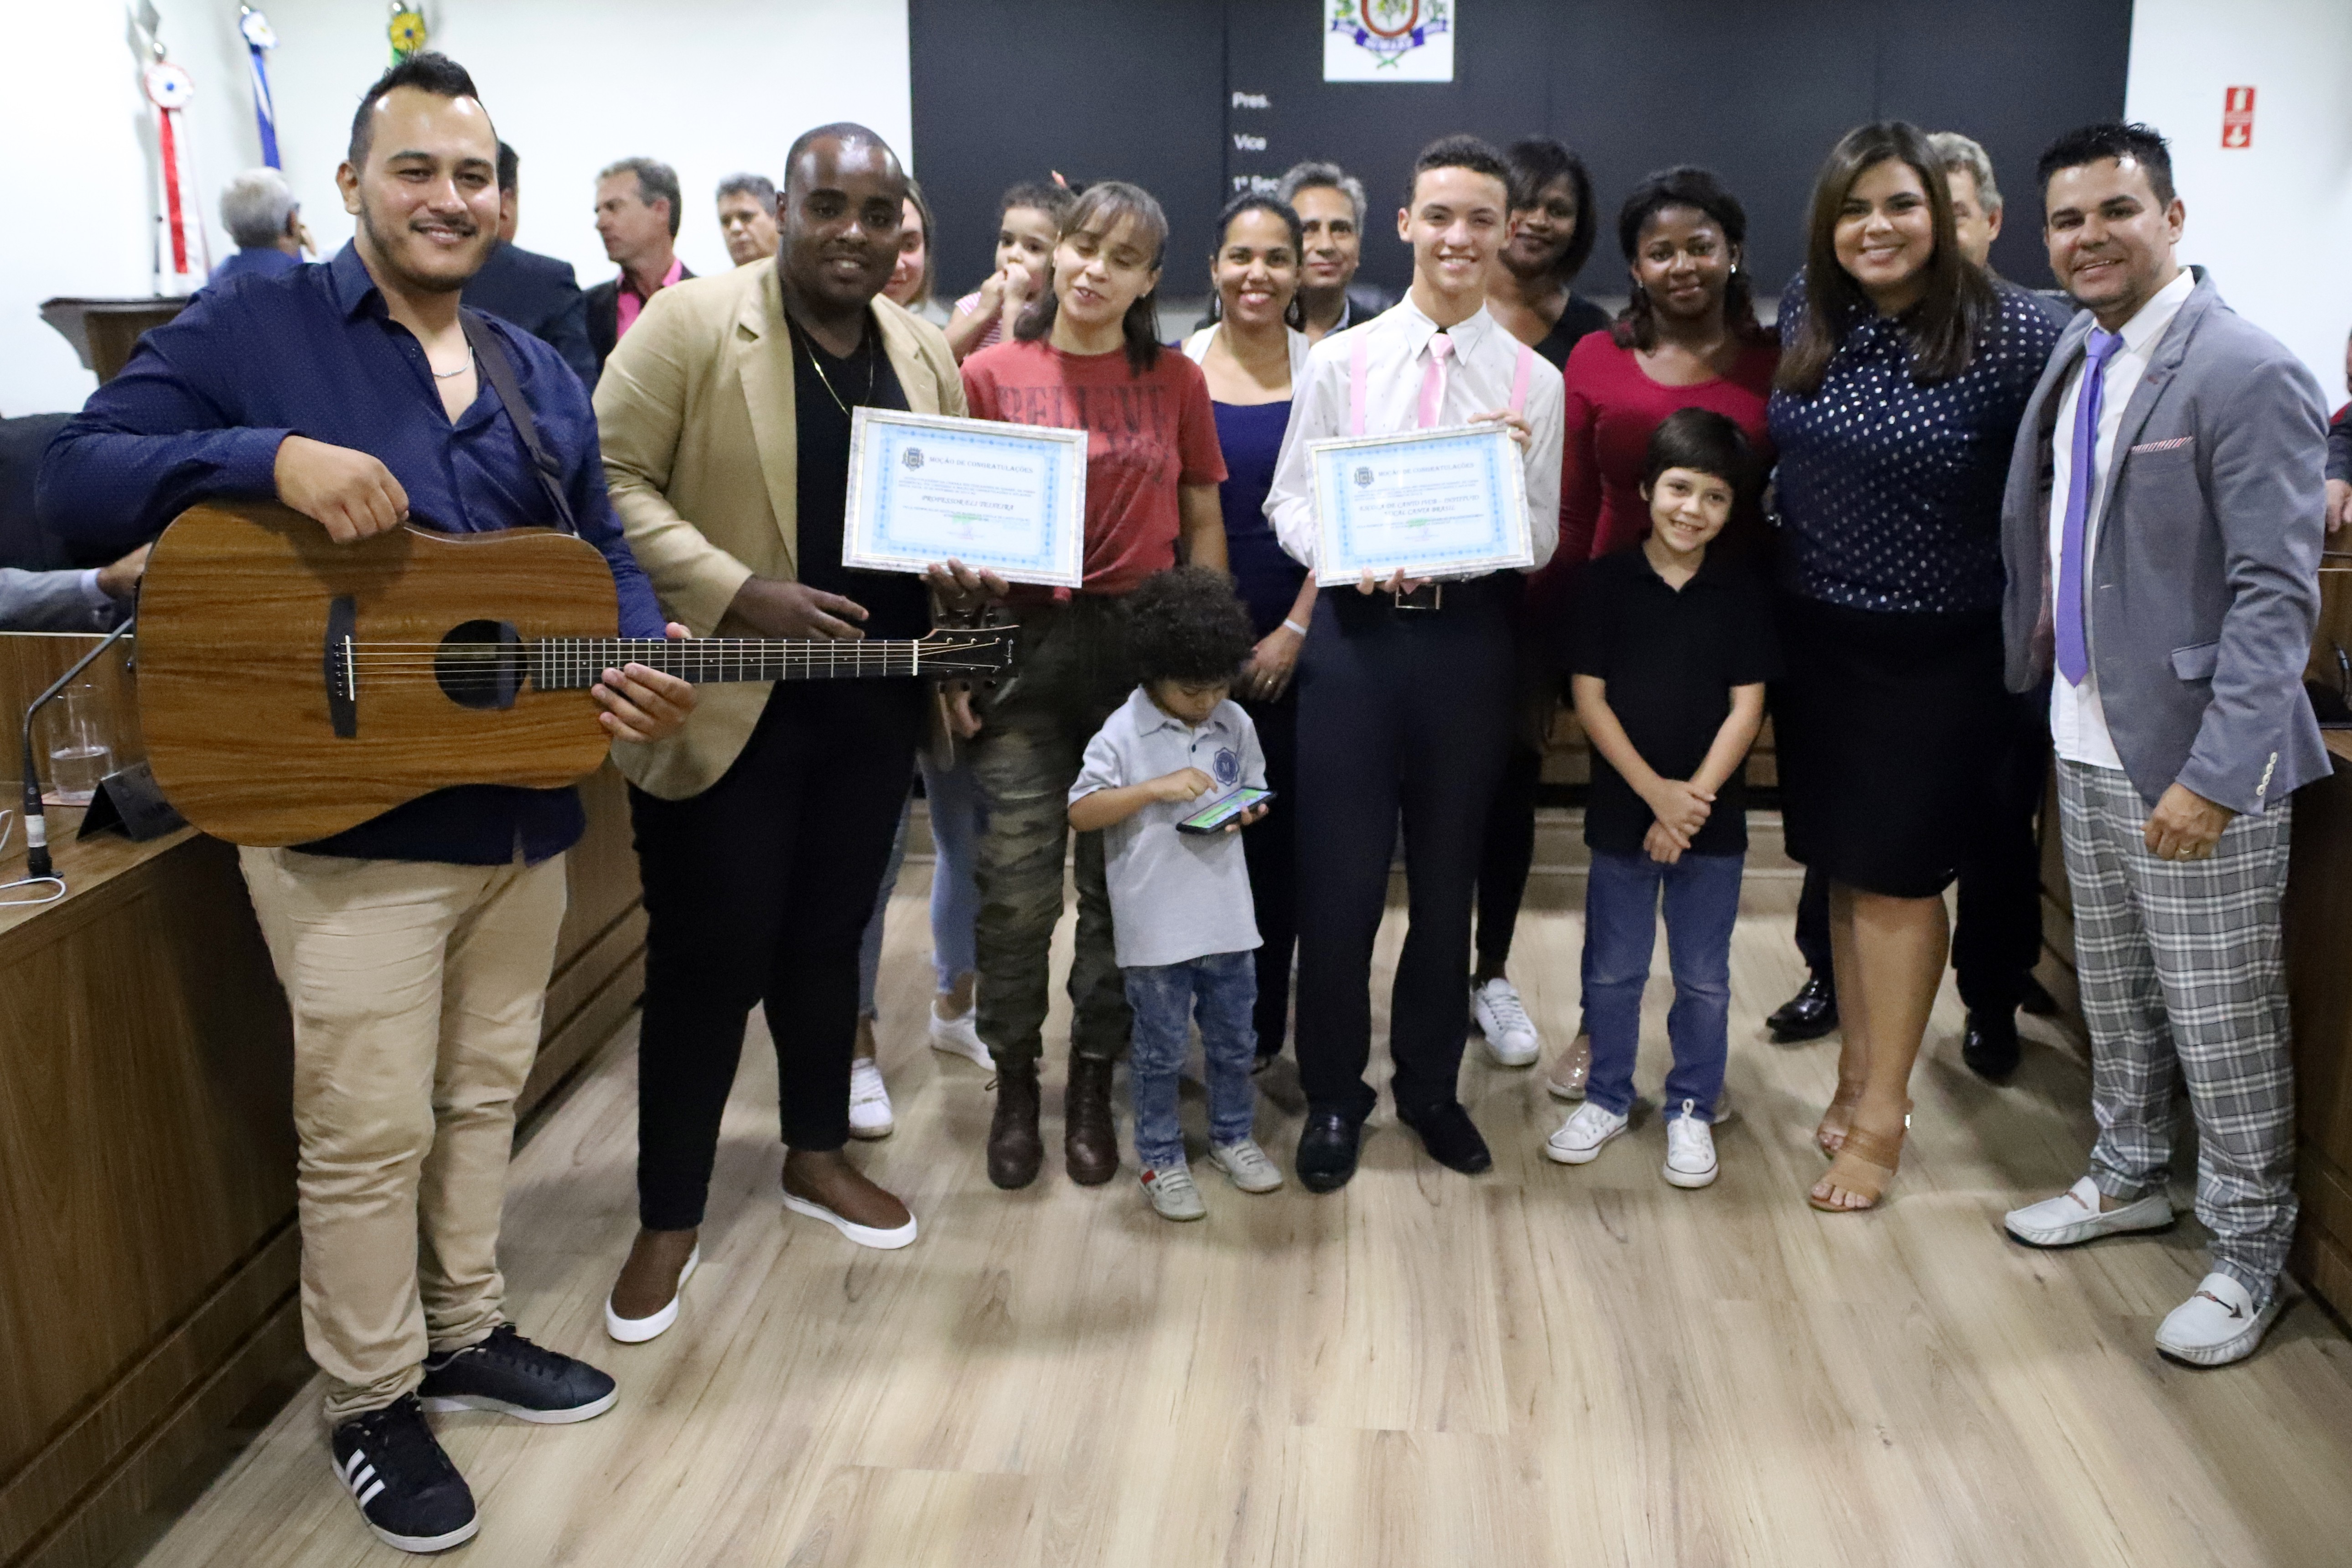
x=1865 y=1163
x=1848 y=1096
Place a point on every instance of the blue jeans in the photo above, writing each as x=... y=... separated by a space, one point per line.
x=958 y=816
x=1620 y=919
x=1220 y=990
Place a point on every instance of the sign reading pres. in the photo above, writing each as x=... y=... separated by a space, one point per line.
x=1388 y=40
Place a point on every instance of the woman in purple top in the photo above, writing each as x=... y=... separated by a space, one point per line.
x=1251 y=356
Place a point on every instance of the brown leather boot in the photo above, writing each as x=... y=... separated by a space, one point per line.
x=1089 y=1136
x=1016 y=1149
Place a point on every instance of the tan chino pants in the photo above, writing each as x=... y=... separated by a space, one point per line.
x=417 y=989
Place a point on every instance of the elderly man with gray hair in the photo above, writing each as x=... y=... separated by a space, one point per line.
x=1330 y=205
x=260 y=213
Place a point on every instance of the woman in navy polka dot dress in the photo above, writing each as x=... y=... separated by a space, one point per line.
x=1903 y=373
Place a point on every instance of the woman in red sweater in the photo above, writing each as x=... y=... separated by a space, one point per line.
x=1687 y=339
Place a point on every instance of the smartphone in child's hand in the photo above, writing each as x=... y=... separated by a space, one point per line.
x=1213 y=816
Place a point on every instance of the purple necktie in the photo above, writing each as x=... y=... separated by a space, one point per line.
x=2073 y=648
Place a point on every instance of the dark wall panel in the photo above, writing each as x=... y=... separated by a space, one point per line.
x=1198 y=98
x=2012 y=74
x=1005 y=91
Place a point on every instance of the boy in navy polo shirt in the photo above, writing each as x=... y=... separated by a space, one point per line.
x=1180 y=902
x=1672 y=652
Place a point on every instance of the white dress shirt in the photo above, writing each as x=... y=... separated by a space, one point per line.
x=1486 y=362
x=2078 y=724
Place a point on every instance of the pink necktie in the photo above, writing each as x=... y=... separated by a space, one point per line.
x=1433 y=380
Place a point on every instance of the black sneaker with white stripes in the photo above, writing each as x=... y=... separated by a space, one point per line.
x=408 y=1491
x=507 y=1374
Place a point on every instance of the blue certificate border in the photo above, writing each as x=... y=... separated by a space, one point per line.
x=878 y=441
x=1502 y=549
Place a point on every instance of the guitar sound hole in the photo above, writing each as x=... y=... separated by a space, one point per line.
x=480 y=664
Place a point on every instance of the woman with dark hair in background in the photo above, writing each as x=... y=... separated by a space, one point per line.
x=1545 y=244
x=1903 y=373
x=1085 y=356
x=1253 y=355
x=1549 y=241
x=1689 y=339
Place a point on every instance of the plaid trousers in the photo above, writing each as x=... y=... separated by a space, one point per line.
x=2183 y=975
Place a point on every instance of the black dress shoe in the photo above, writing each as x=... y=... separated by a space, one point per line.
x=1808 y=1016
x=2037 y=1000
x=1990 y=1046
x=1327 y=1149
x=1451 y=1137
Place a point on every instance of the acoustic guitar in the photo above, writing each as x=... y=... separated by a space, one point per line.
x=291 y=687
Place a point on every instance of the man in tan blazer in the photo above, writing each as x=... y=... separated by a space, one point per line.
x=764 y=828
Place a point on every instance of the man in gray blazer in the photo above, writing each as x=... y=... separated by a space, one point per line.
x=2162 y=528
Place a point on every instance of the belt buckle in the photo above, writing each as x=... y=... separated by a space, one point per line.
x=1428 y=597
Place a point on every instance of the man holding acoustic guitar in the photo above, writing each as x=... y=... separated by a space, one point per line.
x=415 y=947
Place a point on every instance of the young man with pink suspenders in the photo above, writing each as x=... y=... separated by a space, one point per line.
x=1404 y=690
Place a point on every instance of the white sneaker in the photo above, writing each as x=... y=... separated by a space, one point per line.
x=1690 y=1147
x=1511 y=1037
x=1172 y=1192
x=1581 y=1136
x=2217 y=1325
x=2073 y=1217
x=961 y=1038
x=864 y=1234
x=869 y=1101
x=1246 y=1166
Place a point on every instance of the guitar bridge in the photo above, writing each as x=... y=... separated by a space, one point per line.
x=343 y=669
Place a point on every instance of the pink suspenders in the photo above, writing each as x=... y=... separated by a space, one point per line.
x=1357 y=371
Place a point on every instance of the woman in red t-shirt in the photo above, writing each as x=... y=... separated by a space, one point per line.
x=1687 y=339
x=1087 y=356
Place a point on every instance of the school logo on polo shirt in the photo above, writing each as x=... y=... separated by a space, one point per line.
x=1228 y=767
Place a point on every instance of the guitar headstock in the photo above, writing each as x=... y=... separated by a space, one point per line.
x=973 y=650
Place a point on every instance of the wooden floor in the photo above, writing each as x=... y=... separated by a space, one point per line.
x=1536 y=1366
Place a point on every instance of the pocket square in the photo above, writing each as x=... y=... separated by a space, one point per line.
x=2173 y=445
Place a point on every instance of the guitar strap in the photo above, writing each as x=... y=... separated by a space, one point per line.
x=492 y=354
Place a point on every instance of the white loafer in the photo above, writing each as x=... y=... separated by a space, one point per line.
x=637 y=1331
x=2072 y=1218
x=2218 y=1324
x=864 y=1234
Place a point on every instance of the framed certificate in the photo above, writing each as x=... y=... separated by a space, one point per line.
x=924 y=487
x=1429 y=503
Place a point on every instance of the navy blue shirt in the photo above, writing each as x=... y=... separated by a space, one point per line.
x=255 y=261
x=1888 y=490
x=1264 y=576
x=201 y=409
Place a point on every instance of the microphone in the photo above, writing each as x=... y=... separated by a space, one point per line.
x=36 y=824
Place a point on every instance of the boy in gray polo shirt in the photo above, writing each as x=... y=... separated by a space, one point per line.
x=1180 y=902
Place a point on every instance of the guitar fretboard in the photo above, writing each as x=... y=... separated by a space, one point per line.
x=574 y=664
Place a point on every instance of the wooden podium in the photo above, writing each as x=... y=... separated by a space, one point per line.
x=104 y=331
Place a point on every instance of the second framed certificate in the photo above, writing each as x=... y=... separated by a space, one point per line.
x=1428 y=503
x=924 y=489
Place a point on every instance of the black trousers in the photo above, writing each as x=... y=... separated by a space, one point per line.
x=1399 y=712
x=758 y=889
x=1997 y=938
x=1271 y=848
x=1507 y=854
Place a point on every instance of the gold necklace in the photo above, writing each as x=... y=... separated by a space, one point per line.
x=816 y=364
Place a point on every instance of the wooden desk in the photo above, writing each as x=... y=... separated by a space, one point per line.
x=2319 y=989
x=148 y=1249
